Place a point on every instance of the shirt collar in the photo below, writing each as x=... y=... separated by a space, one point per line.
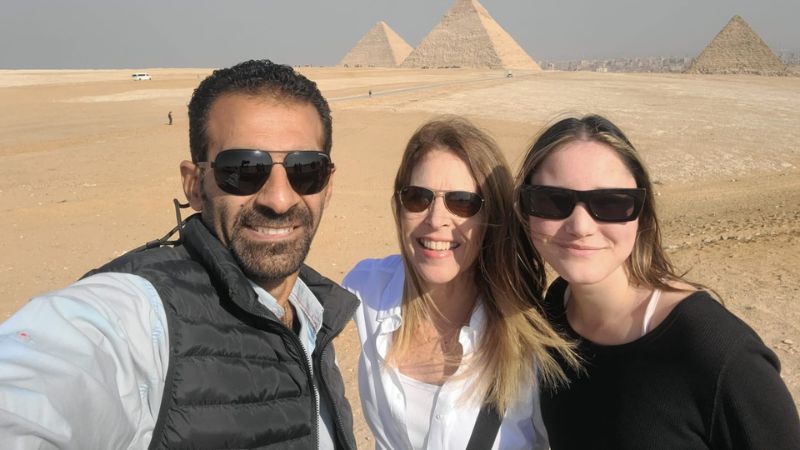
x=390 y=320
x=301 y=297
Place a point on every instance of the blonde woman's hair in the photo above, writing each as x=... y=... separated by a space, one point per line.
x=648 y=264
x=517 y=340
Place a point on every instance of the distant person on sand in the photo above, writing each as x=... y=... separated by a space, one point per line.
x=451 y=337
x=221 y=339
x=370 y=92
x=665 y=365
x=169 y=117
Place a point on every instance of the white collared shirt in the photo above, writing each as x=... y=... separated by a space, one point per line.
x=84 y=367
x=309 y=312
x=379 y=285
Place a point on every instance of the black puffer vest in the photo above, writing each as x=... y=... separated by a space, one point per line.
x=237 y=377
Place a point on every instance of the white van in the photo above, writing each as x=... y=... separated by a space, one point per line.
x=141 y=76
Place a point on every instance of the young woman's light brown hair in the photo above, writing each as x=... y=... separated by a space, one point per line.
x=508 y=273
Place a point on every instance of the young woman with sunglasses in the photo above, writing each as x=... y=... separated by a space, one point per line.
x=448 y=328
x=665 y=365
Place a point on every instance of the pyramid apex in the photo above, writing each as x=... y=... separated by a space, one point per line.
x=472 y=4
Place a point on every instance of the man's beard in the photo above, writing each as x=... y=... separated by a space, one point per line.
x=263 y=262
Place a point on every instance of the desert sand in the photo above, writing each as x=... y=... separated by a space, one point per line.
x=89 y=168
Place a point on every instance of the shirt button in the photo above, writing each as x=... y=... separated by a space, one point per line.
x=438 y=417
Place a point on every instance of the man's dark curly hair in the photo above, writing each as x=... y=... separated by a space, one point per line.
x=254 y=77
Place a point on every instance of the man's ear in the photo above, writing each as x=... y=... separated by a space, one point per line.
x=190 y=176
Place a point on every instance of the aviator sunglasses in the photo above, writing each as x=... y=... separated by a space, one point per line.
x=244 y=172
x=605 y=205
x=417 y=199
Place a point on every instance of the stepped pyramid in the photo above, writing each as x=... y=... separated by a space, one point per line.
x=380 y=47
x=737 y=49
x=467 y=36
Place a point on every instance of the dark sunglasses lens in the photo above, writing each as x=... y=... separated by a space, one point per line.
x=613 y=207
x=547 y=203
x=462 y=203
x=308 y=172
x=415 y=199
x=242 y=172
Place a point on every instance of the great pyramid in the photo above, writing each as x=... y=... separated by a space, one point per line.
x=737 y=49
x=379 y=47
x=467 y=36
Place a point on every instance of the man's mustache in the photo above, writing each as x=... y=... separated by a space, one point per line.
x=260 y=216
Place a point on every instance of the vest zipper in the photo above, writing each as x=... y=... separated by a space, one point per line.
x=309 y=372
x=322 y=347
x=314 y=390
x=340 y=435
x=325 y=342
x=283 y=329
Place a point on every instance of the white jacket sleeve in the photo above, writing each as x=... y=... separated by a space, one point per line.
x=84 y=367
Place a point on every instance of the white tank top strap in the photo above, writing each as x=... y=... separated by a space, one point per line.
x=651 y=310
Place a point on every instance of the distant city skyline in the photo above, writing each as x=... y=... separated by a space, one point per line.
x=102 y=34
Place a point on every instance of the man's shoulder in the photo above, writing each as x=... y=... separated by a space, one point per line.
x=111 y=287
x=135 y=261
x=103 y=298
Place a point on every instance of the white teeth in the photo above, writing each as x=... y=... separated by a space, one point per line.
x=437 y=245
x=273 y=231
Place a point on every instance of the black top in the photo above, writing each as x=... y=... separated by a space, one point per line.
x=701 y=379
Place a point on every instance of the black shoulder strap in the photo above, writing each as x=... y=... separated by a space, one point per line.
x=165 y=240
x=486 y=427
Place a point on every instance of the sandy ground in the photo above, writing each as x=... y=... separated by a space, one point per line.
x=89 y=167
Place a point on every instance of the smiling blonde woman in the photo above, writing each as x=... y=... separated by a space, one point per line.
x=452 y=339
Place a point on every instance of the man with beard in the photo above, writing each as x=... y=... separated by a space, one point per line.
x=221 y=339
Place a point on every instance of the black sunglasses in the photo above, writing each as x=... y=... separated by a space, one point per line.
x=244 y=172
x=605 y=205
x=417 y=199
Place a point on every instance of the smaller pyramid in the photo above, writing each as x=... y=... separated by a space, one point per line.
x=737 y=49
x=468 y=36
x=379 y=47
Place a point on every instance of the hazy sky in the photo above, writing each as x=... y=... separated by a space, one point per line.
x=214 y=33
